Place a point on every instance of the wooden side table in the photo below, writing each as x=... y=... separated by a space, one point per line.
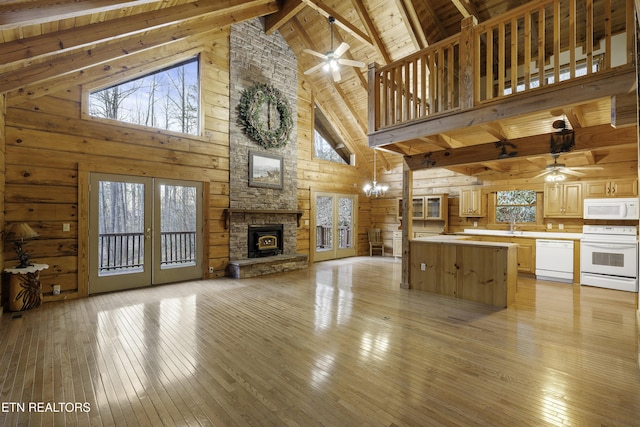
x=24 y=287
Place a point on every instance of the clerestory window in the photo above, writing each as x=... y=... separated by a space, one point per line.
x=168 y=99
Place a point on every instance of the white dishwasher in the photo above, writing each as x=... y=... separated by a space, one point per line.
x=554 y=260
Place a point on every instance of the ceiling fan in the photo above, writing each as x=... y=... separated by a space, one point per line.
x=332 y=58
x=562 y=141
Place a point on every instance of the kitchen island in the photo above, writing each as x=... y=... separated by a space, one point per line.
x=484 y=272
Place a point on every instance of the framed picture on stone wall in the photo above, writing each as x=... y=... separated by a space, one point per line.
x=265 y=170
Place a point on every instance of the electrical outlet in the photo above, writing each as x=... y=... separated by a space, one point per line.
x=549 y=226
x=423 y=266
x=560 y=226
x=475 y=224
x=210 y=269
x=66 y=227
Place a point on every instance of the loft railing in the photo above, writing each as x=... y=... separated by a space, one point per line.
x=539 y=44
x=124 y=251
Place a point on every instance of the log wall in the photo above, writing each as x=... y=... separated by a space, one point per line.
x=325 y=176
x=51 y=150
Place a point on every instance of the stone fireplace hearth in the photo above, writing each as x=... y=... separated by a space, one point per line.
x=260 y=58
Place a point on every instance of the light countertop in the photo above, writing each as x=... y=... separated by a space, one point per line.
x=459 y=239
x=517 y=233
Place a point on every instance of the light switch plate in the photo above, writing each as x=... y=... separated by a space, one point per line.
x=549 y=226
x=66 y=227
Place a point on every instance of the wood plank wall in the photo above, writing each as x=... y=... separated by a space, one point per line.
x=49 y=145
x=51 y=149
x=324 y=176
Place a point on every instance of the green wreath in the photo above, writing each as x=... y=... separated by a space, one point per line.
x=250 y=108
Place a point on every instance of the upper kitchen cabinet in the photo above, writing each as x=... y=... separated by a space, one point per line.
x=563 y=200
x=471 y=202
x=625 y=187
x=436 y=207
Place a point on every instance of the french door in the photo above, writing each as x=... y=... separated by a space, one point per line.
x=335 y=225
x=143 y=231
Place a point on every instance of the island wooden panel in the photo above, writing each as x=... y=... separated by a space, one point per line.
x=474 y=271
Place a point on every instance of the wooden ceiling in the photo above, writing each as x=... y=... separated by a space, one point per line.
x=44 y=43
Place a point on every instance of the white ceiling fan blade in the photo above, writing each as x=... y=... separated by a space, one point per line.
x=314 y=69
x=571 y=172
x=340 y=50
x=543 y=173
x=587 y=168
x=336 y=75
x=351 y=62
x=314 y=53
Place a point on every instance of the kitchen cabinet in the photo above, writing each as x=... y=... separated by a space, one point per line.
x=436 y=207
x=471 y=202
x=563 y=200
x=484 y=272
x=627 y=187
x=417 y=205
x=397 y=244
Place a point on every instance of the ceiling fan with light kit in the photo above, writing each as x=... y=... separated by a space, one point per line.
x=332 y=58
x=562 y=141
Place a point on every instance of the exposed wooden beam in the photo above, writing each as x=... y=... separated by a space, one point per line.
x=412 y=22
x=33 y=13
x=575 y=116
x=79 y=59
x=31 y=51
x=289 y=9
x=378 y=44
x=496 y=130
x=624 y=109
x=341 y=21
x=596 y=137
x=466 y=8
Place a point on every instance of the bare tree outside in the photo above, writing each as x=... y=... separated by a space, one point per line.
x=167 y=99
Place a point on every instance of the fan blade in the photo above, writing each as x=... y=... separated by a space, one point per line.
x=314 y=53
x=543 y=173
x=314 y=68
x=340 y=50
x=571 y=172
x=586 y=168
x=336 y=75
x=351 y=62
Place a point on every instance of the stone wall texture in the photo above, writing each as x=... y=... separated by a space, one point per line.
x=260 y=58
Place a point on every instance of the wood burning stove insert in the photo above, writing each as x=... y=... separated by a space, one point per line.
x=265 y=240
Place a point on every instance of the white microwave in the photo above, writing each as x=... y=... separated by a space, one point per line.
x=612 y=208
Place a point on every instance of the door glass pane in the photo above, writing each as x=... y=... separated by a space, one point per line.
x=120 y=228
x=324 y=223
x=178 y=221
x=345 y=222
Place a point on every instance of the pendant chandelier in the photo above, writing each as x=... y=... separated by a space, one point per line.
x=374 y=189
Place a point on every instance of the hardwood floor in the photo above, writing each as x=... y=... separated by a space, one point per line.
x=336 y=344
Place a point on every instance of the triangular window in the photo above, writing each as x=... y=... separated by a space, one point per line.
x=327 y=143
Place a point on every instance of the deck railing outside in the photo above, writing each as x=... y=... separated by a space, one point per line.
x=541 y=43
x=324 y=237
x=124 y=251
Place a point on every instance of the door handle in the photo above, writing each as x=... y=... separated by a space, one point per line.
x=147 y=235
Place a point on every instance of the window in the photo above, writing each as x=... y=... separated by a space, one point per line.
x=516 y=205
x=327 y=143
x=167 y=99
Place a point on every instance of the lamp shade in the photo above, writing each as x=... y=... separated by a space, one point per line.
x=20 y=231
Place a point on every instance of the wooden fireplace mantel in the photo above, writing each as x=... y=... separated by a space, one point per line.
x=229 y=212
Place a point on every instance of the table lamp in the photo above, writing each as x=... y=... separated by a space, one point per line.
x=18 y=233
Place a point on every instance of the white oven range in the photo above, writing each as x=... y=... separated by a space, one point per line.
x=609 y=257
